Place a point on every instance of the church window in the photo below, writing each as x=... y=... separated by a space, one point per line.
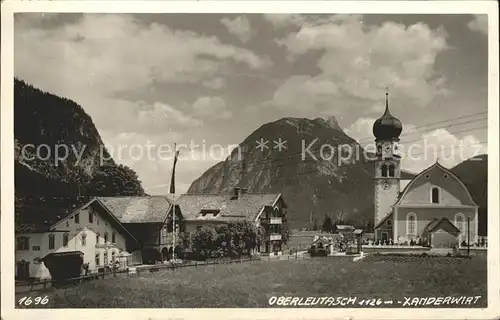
x=384 y=170
x=435 y=195
x=391 y=170
x=460 y=222
x=411 y=223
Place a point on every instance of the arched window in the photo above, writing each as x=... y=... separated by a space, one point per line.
x=384 y=170
x=391 y=170
x=411 y=223
x=435 y=195
x=460 y=224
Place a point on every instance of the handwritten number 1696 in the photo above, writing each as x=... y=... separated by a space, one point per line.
x=27 y=301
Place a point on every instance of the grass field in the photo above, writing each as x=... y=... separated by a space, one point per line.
x=252 y=284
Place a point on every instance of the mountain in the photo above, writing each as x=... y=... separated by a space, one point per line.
x=474 y=174
x=311 y=186
x=45 y=124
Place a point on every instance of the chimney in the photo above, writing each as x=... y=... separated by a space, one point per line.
x=238 y=192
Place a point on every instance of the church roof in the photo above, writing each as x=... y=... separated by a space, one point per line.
x=383 y=220
x=434 y=224
x=435 y=165
x=387 y=127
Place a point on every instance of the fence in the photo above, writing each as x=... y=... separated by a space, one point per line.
x=36 y=285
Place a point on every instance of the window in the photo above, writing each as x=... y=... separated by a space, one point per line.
x=67 y=223
x=113 y=237
x=106 y=237
x=77 y=218
x=97 y=220
x=97 y=259
x=65 y=239
x=105 y=258
x=91 y=216
x=52 y=241
x=384 y=170
x=435 y=195
x=97 y=235
x=112 y=256
x=164 y=231
x=391 y=170
x=411 y=223
x=23 y=243
x=389 y=222
x=84 y=239
x=460 y=222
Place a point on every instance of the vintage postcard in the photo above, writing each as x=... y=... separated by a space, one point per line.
x=250 y=160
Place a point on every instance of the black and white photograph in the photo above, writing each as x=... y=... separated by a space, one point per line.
x=264 y=157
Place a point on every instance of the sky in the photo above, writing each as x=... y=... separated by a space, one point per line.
x=210 y=79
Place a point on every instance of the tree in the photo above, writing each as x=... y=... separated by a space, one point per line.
x=285 y=230
x=116 y=180
x=203 y=242
x=327 y=224
x=315 y=225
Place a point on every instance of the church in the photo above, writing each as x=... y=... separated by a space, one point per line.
x=434 y=208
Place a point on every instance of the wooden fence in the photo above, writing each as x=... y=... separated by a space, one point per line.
x=37 y=285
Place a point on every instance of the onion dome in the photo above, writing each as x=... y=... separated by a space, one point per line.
x=387 y=127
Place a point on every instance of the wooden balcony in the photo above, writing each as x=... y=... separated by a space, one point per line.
x=275 y=236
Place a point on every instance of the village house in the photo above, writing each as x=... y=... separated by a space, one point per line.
x=63 y=227
x=149 y=219
x=265 y=211
x=433 y=208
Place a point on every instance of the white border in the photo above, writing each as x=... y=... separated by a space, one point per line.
x=366 y=7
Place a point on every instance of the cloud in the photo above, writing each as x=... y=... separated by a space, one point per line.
x=106 y=63
x=211 y=107
x=152 y=157
x=215 y=83
x=420 y=148
x=479 y=23
x=280 y=20
x=361 y=61
x=239 y=27
x=112 y=54
x=152 y=114
x=304 y=93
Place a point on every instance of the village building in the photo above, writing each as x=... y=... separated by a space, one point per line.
x=67 y=230
x=265 y=211
x=149 y=219
x=433 y=208
x=342 y=228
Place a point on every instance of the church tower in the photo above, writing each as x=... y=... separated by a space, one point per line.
x=386 y=130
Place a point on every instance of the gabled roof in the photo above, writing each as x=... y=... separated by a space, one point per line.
x=42 y=214
x=345 y=227
x=38 y=214
x=383 y=220
x=434 y=224
x=138 y=209
x=439 y=166
x=247 y=207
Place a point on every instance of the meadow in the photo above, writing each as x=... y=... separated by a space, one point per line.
x=253 y=284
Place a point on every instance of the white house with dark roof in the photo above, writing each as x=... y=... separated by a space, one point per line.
x=264 y=210
x=79 y=225
x=149 y=219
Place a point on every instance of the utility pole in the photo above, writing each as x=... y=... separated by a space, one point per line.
x=468 y=236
